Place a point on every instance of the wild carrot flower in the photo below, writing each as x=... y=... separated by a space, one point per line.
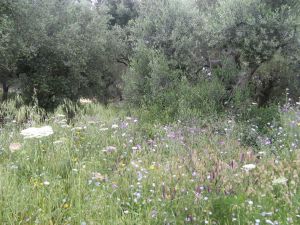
x=280 y=180
x=34 y=132
x=249 y=167
x=85 y=101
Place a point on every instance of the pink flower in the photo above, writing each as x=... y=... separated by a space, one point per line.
x=13 y=147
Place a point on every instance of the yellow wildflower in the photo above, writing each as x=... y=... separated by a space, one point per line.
x=66 y=206
x=152 y=167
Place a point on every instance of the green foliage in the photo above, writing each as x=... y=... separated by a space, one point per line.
x=76 y=56
x=203 y=99
x=152 y=83
x=253 y=27
x=170 y=27
x=149 y=77
x=271 y=80
x=121 y=11
x=203 y=83
x=179 y=58
x=256 y=31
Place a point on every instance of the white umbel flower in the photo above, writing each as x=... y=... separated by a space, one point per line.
x=34 y=132
x=249 y=167
x=280 y=180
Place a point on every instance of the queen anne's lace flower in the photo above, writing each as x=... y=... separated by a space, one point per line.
x=85 y=101
x=249 y=167
x=280 y=180
x=34 y=132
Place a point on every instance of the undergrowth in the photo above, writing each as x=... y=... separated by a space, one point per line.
x=106 y=165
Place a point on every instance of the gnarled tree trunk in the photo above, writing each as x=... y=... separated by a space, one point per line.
x=5 y=88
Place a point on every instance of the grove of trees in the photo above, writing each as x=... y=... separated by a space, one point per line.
x=172 y=55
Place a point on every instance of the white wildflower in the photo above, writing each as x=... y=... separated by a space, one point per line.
x=60 y=115
x=249 y=167
x=250 y=202
x=266 y=214
x=34 y=132
x=78 y=128
x=269 y=222
x=46 y=183
x=60 y=141
x=85 y=101
x=280 y=180
x=114 y=126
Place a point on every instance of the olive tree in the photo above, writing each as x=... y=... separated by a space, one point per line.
x=257 y=30
x=20 y=30
x=76 y=55
x=170 y=26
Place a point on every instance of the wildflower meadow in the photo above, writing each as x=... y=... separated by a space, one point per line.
x=149 y=112
x=106 y=166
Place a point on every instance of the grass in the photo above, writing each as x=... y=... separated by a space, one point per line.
x=107 y=168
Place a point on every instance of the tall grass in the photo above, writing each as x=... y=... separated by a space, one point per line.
x=102 y=167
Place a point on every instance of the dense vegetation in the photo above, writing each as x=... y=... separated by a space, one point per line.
x=199 y=55
x=151 y=112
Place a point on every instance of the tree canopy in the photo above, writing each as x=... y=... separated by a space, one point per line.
x=140 y=50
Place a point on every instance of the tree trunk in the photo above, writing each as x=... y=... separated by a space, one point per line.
x=243 y=81
x=5 y=88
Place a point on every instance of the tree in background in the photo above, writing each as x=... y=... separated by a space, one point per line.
x=76 y=55
x=257 y=31
x=61 y=49
x=20 y=31
x=121 y=11
x=169 y=26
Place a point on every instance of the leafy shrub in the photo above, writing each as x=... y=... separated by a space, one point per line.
x=148 y=77
x=261 y=117
x=204 y=98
